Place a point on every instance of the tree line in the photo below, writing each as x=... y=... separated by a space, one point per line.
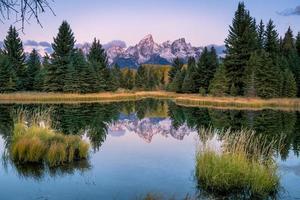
x=68 y=69
x=257 y=63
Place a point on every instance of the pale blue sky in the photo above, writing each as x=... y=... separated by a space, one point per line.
x=201 y=22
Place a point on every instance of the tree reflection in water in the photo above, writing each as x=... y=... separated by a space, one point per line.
x=93 y=121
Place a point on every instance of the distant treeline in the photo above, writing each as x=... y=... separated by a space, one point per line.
x=257 y=63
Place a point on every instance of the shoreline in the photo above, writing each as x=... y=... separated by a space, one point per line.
x=192 y=100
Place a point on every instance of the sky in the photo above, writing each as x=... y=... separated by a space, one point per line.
x=201 y=22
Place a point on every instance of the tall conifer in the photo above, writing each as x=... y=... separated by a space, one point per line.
x=63 y=47
x=33 y=69
x=240 y=43
x=13 y=49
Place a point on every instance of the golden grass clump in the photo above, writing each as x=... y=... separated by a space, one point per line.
x=245 y=165
x=42 y=144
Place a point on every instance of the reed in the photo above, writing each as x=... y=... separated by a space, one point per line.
x=244 y=165
x=36 y=142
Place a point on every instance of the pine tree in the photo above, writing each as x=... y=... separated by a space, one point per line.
x=219 y=84
x=288 y=43
x=267 y=77
x=152 y=80
x=176 y=66
x=33 y=69
x=116 y=78
x=129 y=79
x=240 y=43
x=84 y=73
x=207 y=65
x=289 y=84
x=272 y=45
x=189 y=85
x=63 y=47
x=289 y=50
x=252 y=65
x=261 y=34
x=141 y=77
x=41 y=77
x=71 y=85
x=7 y=75
x=98 y=59
x=298 y=44
x=178 y=81
x=13 y=49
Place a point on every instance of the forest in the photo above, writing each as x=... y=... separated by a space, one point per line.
x=257 y=63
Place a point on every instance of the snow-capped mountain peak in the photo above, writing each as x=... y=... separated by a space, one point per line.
x=146 y=51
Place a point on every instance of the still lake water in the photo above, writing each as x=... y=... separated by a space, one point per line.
x=139 y=148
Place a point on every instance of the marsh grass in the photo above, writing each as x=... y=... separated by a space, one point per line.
x=34 y=141
x=245 y=164
x=181 y=99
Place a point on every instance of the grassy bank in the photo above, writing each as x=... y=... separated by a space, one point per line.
x=245 y=165
x=181 y=99
x=40 y=144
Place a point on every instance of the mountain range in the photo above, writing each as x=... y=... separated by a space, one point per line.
x=147 y=128
x=146 y=51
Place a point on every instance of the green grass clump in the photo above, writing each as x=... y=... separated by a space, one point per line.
x=42 y=144
x=235 y=169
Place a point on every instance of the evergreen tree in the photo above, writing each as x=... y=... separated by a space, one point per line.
x=128 y=79
x=252 y=65
x=219 y=84
x=84 y=73
x=63 y=47
x=272 y=45
x=267 y=77
x=261 y=34
x=178 y=81
x=7 y=75
x=289 y=50
x=13 y=49
x=189 y=85
x=33 y=69
x=152 y=80
x=116 y=77
x=240 y=43
x=289 y=84
x=71 y=85
x=141 y=77
x=288 y=44
x=176 y=66
x=98 y=59
x=207 y=65
x=40 y=80
x=298 y=44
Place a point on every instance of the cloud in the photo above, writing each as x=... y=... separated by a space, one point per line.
x=1 y=44
x=45 y=44
x=31 y=43
x=290 y=11
x=118 y=43
x=48 y=50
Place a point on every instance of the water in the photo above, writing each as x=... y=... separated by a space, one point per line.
x=139 y=148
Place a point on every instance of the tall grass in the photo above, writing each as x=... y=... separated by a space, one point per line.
x=245 y=165
x=36 y=142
